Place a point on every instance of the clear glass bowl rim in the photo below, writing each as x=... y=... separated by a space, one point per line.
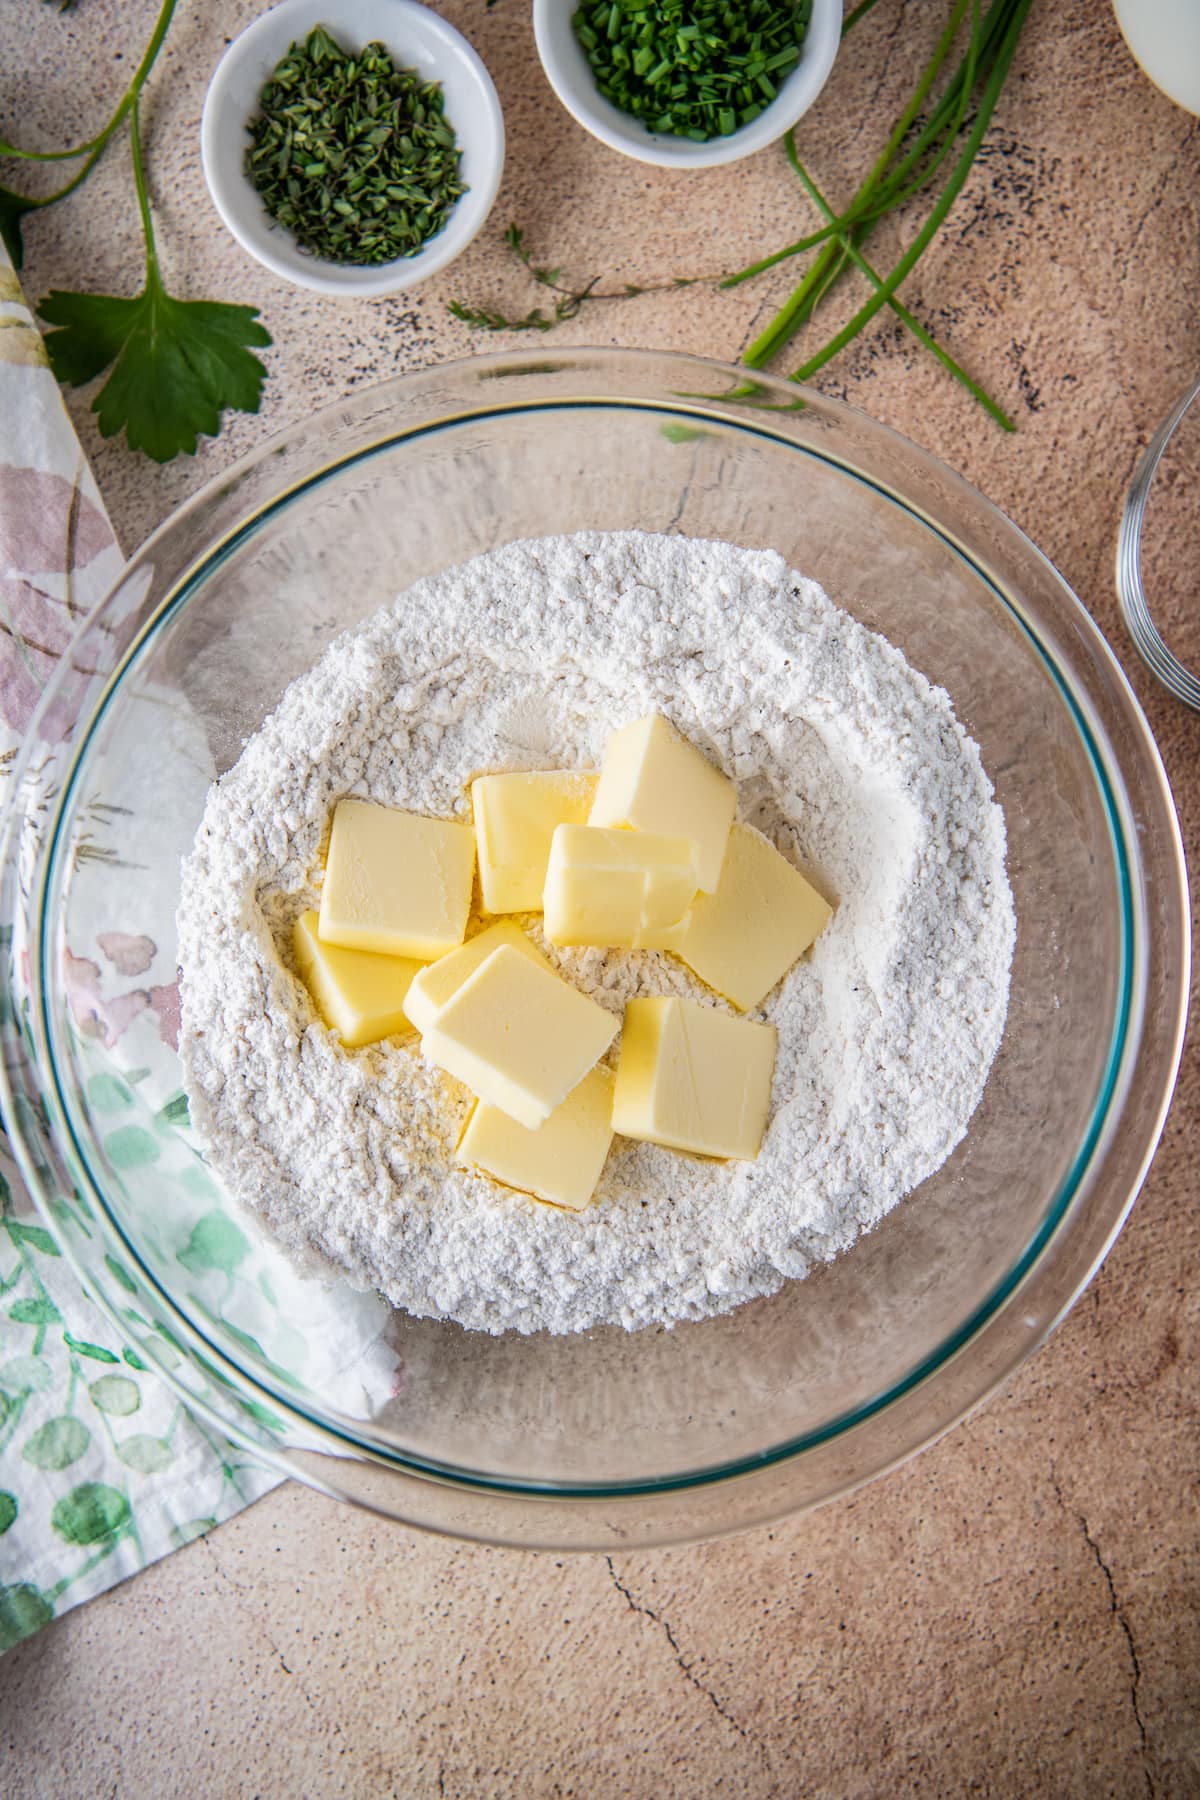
x=340 y=1432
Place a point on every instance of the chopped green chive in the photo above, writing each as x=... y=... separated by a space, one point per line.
x=691 y=68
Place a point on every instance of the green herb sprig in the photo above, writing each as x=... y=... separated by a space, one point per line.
x=353 y=155
x=176 y=364
x=697 y=69
x=567 y=300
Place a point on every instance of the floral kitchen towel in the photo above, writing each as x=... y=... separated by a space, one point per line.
x=101 y=1469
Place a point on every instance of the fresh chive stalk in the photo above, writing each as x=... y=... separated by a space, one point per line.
x=901 y=311
x=993 y=42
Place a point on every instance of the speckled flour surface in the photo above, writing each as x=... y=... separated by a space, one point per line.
x=529 y=657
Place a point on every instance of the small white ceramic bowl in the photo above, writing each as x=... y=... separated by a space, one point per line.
x=419 y=40
x=569 y=74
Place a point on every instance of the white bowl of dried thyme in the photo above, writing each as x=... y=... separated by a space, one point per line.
x=353 y=146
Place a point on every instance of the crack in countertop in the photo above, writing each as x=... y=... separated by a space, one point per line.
x=686 y=1668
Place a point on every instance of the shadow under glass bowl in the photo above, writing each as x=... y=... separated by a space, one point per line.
x=608 y=1437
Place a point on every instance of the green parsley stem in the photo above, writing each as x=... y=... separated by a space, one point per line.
x=94 y=145
x=143 y=197
x=80 y=176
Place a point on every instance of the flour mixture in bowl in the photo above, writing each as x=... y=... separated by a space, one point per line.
x=846 y=758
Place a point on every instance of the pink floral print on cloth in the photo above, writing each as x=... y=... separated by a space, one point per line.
x=50 y=532
x=58 y=553
x=107 y=1018
x=101 y=1469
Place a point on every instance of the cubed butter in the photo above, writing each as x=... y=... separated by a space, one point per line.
x=692 y=1078
x=396 y=883
x=628 y=889
x=515 y=818
x=437 y=982
x=764 y=915
x=358 y=995
x=654 y=780
x=560 y=1161
x=519 y=1036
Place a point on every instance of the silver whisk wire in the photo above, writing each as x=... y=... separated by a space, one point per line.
x=1162 y=662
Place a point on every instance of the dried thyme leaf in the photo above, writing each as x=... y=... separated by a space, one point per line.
x=352 y=155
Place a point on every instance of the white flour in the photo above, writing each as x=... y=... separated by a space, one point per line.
x=845 y=756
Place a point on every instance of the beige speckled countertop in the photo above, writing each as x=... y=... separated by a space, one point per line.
x=1014 y=1613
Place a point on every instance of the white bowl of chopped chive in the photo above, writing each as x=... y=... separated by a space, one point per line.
x=687 y=83
x=352 y=146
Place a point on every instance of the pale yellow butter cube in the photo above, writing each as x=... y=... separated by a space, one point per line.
x=515 y=819
x=395 y=882
x=654 y=780
x=560 y=1161
x=692 y=1078
x=439 y=981
x=764 y=915
x=626 y=889
x=358 y=995
x=519 y=1036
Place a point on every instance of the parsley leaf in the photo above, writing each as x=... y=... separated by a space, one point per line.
x=177 y=363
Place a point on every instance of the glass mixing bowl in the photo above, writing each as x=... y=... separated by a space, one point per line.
x=608 y=1437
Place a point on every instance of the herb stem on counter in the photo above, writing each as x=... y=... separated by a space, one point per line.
x=788 y=321
x=124 y=106
x=143 y=196
x=569 y=300
x=907 y=319
x=14 y=206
